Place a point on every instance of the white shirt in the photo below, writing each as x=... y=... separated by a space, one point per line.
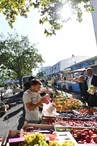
x=32 y=97
x=89 y=81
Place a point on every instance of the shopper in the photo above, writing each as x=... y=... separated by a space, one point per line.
x=27 y=86
x=91 y=80
x=32 y=100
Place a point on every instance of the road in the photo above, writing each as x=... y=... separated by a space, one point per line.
x=12 y=119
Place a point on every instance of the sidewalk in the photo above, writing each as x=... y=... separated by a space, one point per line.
x=10 y=120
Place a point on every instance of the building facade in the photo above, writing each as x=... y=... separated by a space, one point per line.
x=91 y=62
x=94 y=16
x=59 y=67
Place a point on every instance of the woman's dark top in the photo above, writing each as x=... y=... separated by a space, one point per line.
x=83 y=88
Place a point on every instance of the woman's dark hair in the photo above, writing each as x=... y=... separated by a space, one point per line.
x=35 y=82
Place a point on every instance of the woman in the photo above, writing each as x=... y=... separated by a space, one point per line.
x=83 y=89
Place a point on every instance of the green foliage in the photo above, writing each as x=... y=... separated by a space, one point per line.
x=77 y=6
x=18 y=56
x=2 y=84
x=49 y=11
x=12 y=8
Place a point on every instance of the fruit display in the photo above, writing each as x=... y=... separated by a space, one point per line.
x=65 y=143
x=85 y=136
x=90 y=111
x=66 y=103
x=67 y=116
x=54 y=143
x=38 y=139
x=77 y=123
x=77 y=116
x=48 y=120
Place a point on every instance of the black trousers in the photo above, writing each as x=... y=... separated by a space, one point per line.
x=92 y=100
x=84 y=99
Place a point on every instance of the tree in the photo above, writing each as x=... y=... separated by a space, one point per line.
x=49 y=11
x=5 y=74
x=18 y=56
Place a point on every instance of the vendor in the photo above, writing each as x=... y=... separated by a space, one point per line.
x=32 y=100
x=91 y=80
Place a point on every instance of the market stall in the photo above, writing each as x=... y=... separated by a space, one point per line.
x=75 y=117
x=67 y=122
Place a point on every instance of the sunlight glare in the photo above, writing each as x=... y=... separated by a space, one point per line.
x=66 y=12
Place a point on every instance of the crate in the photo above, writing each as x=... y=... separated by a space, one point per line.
x=14 y=138
x=48 y=120
x=39 y=126
x=60 y=128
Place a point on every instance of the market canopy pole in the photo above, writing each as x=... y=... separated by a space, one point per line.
x=94 y=16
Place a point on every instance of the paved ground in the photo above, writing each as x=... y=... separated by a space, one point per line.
x=12 y=119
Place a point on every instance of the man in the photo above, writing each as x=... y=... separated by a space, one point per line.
x=91 y=80
x=32 y=100
x=27 y=86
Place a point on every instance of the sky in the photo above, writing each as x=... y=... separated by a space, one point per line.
x=74 y=38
